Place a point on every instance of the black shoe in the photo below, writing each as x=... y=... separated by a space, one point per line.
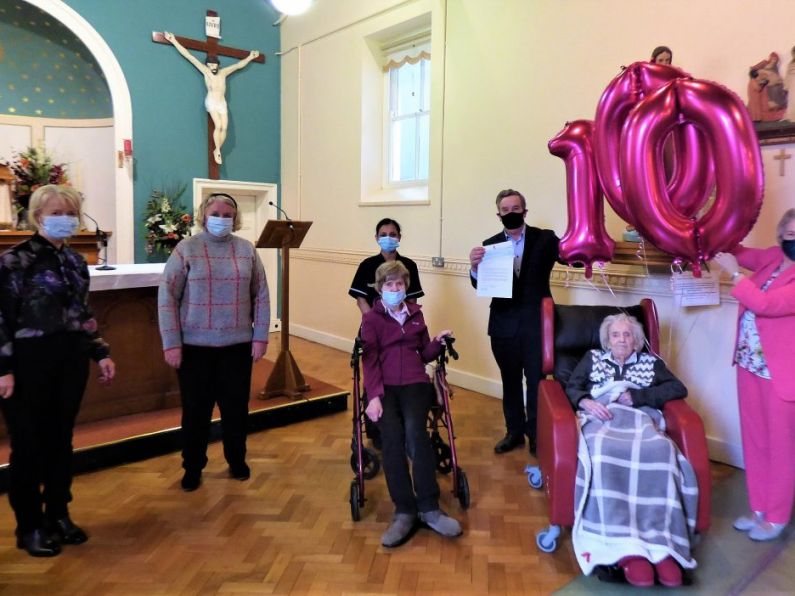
x=240 y=472
x=531 y=445
x=191 y=480
x=508 y=442
x=64 y=531
x=38 y=544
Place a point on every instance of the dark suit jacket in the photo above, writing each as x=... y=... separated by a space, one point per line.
x=520 y=314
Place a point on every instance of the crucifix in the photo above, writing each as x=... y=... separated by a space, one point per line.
x=214 y=78
x=780 y=158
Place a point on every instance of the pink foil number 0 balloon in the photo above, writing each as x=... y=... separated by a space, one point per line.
x=735 y=152
x=692 y=179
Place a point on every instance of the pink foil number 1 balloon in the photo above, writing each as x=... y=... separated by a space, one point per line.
x=586 y=239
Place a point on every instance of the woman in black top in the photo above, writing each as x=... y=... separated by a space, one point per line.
x=47 y=334
x=387 y=235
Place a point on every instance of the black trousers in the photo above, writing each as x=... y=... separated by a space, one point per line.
x=210 y=375
x=404 y=436
x=516 y=357
x=50 y=375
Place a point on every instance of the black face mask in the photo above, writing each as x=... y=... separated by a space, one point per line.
x=788 y=246
x=512 y=220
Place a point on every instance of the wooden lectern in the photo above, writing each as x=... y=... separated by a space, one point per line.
x=286 y=378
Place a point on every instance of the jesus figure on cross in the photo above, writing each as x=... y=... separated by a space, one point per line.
x=215 y=79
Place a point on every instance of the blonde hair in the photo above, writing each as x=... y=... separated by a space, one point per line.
x=637 y=331
x=788 y=216
x=217 y=198
x=42 y=195
x=390 y=269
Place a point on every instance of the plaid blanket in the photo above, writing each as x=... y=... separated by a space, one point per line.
x=636 y=494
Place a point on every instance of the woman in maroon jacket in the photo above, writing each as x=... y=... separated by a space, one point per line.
x=395 y=348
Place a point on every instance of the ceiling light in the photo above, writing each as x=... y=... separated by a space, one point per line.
x=291 y=7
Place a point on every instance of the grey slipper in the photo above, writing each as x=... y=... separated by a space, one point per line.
x=399 y=530
x=441 y=523
x=766 y=531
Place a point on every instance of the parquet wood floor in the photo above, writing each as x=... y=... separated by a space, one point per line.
x=288 y=529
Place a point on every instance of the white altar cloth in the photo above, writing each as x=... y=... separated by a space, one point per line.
x=141 y=275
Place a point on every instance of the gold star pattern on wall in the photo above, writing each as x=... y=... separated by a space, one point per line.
x=46 y=70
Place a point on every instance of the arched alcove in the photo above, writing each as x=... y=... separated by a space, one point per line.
x=122 y=114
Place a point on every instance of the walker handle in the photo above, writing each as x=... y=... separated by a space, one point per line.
x=448 y=341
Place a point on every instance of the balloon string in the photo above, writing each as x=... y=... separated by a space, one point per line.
x=601 y=267
x=678 y=306
x=593 y=285
x=641 y=254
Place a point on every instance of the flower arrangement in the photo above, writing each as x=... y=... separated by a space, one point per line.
x=34 y=168
x=166 y=220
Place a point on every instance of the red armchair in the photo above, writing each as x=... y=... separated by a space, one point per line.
x=568 y=332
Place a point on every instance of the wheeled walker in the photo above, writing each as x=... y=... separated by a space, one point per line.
x=365 y=462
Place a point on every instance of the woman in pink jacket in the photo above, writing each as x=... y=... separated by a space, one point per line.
x=395 y=348
x=766 y=377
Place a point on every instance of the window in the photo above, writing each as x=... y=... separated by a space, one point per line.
x=408 y=113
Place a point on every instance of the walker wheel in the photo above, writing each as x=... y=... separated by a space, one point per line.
x=534 y=477
x=355 y=510
x=444 y=455
x=462 y=489
x=547 y=540
x=371 y=465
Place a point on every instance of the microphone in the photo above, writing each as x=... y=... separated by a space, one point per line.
x=98 y=231
x=287 y=217
x=102 y=243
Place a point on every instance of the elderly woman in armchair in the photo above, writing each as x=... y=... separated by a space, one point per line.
x=636 y=495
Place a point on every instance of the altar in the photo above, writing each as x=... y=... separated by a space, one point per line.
x=124 y=302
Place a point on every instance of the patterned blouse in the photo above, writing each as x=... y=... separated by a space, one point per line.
x=44 y=291
x=749 y=353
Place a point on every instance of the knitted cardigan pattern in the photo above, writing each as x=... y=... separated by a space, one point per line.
x=640 y=372
x=213 y=293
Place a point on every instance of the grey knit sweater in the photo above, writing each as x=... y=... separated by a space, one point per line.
x=213 y=293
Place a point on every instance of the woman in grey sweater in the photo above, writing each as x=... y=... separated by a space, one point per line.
x=214 y=312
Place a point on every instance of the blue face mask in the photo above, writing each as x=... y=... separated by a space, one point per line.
x=392 y=299
x=59 y=227
x=388 y=244
x=219 y=226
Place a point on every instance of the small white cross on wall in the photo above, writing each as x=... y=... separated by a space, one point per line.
x=781 y=158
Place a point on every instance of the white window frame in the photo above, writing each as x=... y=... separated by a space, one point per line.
x=390 y=120
x=397 y=42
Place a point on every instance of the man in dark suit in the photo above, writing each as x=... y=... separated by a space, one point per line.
x=515 y=323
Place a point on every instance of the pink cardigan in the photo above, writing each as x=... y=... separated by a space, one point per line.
x=775 y=312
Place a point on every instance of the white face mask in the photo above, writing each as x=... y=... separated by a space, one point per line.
x=220 y=226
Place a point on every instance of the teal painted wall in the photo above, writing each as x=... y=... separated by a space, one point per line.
x=45 y=71
x=169 y=119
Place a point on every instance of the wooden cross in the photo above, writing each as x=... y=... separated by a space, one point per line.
x=781 y=157
x=213 y=50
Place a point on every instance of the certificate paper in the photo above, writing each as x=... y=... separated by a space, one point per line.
x=495 y=271
x=695 y=291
